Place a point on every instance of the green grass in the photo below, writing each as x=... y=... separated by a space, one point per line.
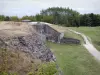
x=92 y=32
x=70 y=34
x=75 y=60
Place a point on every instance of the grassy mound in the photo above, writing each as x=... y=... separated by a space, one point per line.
x=20 y=63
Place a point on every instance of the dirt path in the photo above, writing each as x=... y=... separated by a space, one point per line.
x=88 y=45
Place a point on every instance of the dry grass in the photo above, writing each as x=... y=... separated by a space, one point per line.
x=58 y=28
x=14 y=28
x=18 y=62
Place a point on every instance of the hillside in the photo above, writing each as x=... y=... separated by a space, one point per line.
x=76 y=59
x=24 y=50
x=20 y=43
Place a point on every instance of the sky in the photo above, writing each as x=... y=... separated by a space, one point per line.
x=31 y=7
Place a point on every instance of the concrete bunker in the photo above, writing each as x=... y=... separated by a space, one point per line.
x=53 y=35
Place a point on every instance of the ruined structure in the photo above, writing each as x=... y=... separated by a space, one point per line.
x=51 y=34
x=31 y=38
x=23 y=37
x=65 y=40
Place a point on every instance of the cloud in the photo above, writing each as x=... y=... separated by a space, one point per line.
x=31 y=7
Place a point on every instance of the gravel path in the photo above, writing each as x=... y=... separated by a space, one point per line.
x=88 y=45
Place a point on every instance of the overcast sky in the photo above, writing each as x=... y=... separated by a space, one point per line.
x=31 y=7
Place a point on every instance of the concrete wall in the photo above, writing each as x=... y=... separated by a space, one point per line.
x=69 y=41
x=53 y=35
x=50 y=33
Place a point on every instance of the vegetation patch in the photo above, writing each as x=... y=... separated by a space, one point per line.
x=92 y=32
x=20 y=63
x=75 y=60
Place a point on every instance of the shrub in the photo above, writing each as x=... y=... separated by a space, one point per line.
x=14 y=66
x=45 y=69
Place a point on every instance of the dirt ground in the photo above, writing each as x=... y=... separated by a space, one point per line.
x=14 y=28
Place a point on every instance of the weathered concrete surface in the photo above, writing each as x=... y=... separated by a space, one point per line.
x=69 y=41
x=51 y=33
x=22 y=36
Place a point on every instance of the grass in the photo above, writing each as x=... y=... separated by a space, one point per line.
x=20 y=63
x=75 y=60
x=69 y=34
x=15 y=62
x=92 y=32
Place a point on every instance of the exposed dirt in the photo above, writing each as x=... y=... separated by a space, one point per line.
x=13 y=29
x=22 y=36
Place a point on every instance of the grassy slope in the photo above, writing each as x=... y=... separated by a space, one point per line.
x=75 y=60
x=92 y=32
x=16 y=62
x=69 y=34
x=21 y=63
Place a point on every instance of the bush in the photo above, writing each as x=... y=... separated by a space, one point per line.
x=45 y=69
x=13 y=66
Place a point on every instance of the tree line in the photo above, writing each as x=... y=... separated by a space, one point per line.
x=60 y=16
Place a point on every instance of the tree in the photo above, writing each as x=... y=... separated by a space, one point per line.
x=62 y=16
x=85 y=20
x=31 y=18
x=48 y=19
x=14 y=18
x=7 y=18
x=2 y=17
x=95 y=19
x=38 y=17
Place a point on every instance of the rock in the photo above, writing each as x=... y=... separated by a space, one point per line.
x=27 y=40
x=49 y=33
x=65 y=40
x=53 y=35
